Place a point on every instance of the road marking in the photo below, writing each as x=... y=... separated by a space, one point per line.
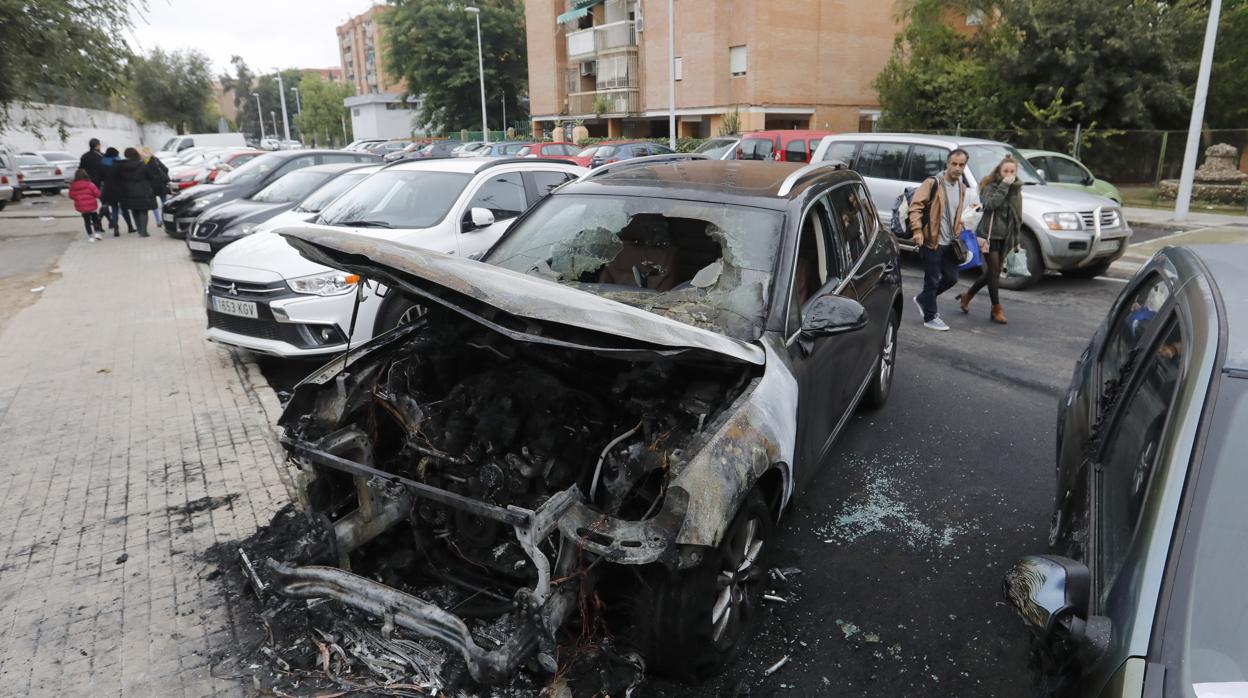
x=1175 y=234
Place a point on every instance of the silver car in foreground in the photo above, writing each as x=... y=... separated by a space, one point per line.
x=1073 y=232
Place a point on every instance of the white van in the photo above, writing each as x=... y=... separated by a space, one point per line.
x=177 y=144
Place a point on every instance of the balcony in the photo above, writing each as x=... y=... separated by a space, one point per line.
x=625 y=101
x=586 y=44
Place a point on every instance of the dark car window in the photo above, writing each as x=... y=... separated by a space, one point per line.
x=847 y=208
x=1130 y=327
x=658 y=149
x=845 y=152
x=1130 y=456
x=883 y=160
x=503 y=194
x=755 y=149
x=343 y=158
x=814 y=265
x=925 y=161
x=547 y=181
x=795 y=151
x=569 y=149
x=292 y=187
x=1067 y=172
x=295 y=164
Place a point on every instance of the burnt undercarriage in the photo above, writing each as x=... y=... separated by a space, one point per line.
x=503 y=473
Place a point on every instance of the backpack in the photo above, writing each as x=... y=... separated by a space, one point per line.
x=900 y=225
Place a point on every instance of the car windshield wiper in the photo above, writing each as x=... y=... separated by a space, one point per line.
x=363 y=224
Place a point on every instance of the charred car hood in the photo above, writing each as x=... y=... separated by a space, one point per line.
x=432 y=275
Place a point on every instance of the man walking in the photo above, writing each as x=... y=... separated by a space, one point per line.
x=935 y=218
x=91 y=162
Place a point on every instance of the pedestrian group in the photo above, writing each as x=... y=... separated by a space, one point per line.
x=117 y=186
x=935 y=218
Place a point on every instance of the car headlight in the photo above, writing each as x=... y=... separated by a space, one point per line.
x=202 y=202
x=332 y=283
x=1063 y=221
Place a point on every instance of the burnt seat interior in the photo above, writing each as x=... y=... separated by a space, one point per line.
x=659 y=253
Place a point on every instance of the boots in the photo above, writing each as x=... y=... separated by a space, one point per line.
x=998 y=314
x=964 y=301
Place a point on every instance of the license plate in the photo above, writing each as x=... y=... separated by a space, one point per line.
x=1107 y=246
x=199 y=246
x=233 y=307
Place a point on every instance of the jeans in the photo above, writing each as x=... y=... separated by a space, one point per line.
x=113 y=211
x=940 y=273
x=91 y=221
x=159 y=204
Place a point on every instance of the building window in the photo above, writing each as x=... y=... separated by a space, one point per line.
x=737 y=60
x=355 y=111
x=679 y=68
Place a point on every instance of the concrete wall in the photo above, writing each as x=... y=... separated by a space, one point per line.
x=81 y=125
x=382 y=116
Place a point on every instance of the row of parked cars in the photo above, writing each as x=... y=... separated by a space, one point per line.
x=28 y=172
x=543 y=352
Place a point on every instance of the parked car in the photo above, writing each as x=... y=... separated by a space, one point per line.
x=562 y=151
x=502 y=149
x=1061 y=170
x=385 y=148
x=34 y=173
x=293 y=307
x=597 y=408
x=291 y=144
x=464 y=150
x=223 y=224
x=614 y=151
x=359 y=143
x=270 y=144
x=181 y=211
x=67 y=163
x=206 y=166
x=177 y=144
x=436 y=149
x=1075 y=233
x=784 y=145
x=1143 y=594
x=9 y=190
x=306 y=210
x=721 y=148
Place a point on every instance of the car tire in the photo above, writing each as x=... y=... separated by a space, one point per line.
x=1035 y=264
x=397 y=310
x=675 y=622
x=52 y=192
x=3 y=204
x=1089 y=272
x=882 y=381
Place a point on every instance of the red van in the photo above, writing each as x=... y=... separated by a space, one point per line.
x=785 y=146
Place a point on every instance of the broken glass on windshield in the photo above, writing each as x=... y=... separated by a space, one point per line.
x=707 y=265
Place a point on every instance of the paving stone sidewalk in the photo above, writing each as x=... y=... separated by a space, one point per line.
x=128 y=446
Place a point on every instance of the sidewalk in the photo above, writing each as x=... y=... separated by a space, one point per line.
x=128 y=446
x=1198 y=229
x=1164 y=218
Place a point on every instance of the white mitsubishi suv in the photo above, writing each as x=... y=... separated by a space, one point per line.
x=265 y=297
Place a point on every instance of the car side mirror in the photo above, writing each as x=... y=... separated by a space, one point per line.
x=829 y=315
x=1053 y=595
x=1044 y=178
x=478 y=218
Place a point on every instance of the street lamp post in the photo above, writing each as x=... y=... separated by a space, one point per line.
x=299 y=108
x=281 y=93
x=1183 y=200
x=485 y=129
x=671 y=74
x=273 y=116
x=259 y=113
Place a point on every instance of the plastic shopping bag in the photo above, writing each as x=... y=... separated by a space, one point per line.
x=972 y=245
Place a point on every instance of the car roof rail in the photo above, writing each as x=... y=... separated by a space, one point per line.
x=791 y=181
x=643 y=160
x=512 y=161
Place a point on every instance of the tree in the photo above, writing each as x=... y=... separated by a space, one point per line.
x=433 y=48
x=323 y=111
x=176 y=88
x=77 y=45
x=1228 y=82
x=245 y=84
x=241 y=82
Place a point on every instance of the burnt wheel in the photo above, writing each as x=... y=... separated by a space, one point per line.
x=882 y=381
x=694 y=622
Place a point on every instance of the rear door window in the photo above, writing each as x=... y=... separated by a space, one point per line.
x=1067 y=171
x=546 y=182
x=1130 y=328
x=755 y=149
x=925 y=161
x=795 y=151
x=882 y=160
x=847 y=207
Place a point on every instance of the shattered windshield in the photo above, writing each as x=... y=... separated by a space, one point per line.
x=707 y=265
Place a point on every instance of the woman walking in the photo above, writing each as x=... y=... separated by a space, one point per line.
x=135 y=192
x=160 y=178
x=1001 y=194
x=110 y=191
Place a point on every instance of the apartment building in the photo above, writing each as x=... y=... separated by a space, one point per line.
x=775 y=63
x=360 y=45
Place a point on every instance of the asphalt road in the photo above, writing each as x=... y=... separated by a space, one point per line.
x=904 y=535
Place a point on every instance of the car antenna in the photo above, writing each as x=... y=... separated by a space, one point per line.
x=355 y=311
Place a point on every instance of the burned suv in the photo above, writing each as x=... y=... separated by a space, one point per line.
x=597 y=424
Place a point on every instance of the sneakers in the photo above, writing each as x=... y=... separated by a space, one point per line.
x=936 y=324
x=95 y=237
x=92 y=238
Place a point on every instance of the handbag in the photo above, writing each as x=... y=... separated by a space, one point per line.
x=1016 y=264
x=971 y=242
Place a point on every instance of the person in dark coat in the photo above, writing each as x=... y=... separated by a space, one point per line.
x=109 y=191
x=160 y=178
x=134 y=188
x=90 y=163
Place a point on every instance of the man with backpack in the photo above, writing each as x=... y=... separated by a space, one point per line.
x=935 y=219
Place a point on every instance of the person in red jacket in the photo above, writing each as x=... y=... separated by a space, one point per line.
x=86 y=198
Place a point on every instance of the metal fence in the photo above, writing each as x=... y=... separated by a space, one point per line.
x=1119 y=156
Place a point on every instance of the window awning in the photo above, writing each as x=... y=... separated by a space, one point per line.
x=580 y=8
